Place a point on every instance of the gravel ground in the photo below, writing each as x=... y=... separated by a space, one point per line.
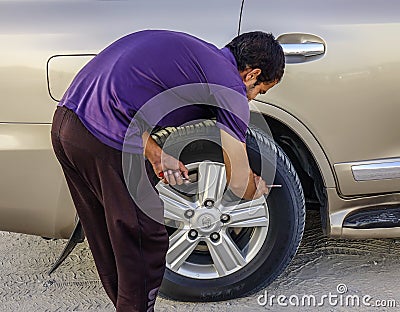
x=346 y=269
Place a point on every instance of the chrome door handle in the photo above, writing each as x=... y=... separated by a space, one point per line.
x=305 y=49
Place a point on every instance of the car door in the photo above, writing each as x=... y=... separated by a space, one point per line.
x=346 y=96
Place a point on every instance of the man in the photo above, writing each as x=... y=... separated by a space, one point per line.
x=102 y=106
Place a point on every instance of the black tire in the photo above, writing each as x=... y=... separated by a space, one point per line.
x=286 y=212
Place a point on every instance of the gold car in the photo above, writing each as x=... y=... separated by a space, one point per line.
x=334 y=120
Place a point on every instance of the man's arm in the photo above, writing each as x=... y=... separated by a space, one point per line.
x=240 y=178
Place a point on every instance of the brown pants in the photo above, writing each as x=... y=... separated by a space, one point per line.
x=128 y=247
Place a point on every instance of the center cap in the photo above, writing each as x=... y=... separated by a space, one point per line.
x=206 y=221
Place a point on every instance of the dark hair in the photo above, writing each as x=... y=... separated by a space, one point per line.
x=259 y=50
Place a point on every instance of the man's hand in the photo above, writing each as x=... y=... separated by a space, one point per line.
x=261 y=187
x=171 y=169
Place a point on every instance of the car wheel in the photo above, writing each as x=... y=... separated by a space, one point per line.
x=219 y=250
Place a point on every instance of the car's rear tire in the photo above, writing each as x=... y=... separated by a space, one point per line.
x=271 y=246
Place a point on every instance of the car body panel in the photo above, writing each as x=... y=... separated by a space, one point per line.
x=348 y=181
x=349 y=98
x=34 y=196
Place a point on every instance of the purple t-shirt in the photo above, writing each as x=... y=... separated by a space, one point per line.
x=161 y=78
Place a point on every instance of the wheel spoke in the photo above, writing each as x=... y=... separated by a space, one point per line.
x=174 y=204
x=226 y=255
x=180 y=248
x=211 y=181
x=252 y=213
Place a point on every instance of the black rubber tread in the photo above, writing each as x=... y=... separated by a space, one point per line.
x=255 y=136
x=202 y=128
x=260 y=135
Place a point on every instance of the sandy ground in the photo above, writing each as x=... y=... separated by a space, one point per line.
x=344 y=270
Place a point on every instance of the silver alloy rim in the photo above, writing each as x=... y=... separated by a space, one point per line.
x=204 y=225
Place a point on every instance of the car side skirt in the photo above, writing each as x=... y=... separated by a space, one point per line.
x=340 y=208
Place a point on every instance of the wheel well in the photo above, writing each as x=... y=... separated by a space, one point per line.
x=305 y=165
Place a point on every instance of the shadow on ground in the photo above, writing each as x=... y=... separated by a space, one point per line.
x=361 y=267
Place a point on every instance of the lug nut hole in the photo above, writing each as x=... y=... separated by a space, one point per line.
x=225 y=218
x=209 y=203
x=189 y=213
x=215 y=237
x=193 y=234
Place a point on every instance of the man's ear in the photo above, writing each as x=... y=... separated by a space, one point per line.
x=251 y=75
